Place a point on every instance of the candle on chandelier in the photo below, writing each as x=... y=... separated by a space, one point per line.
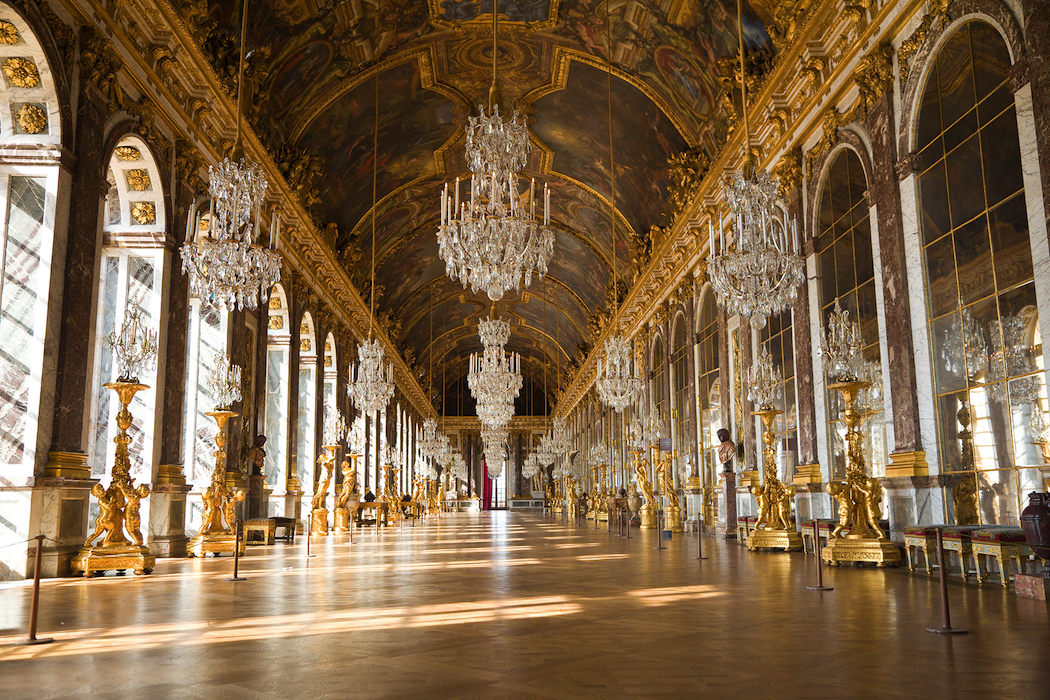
x=277 y=236
x=794 y=235
x=532 y=199
x=273 y=228
x=711 y=237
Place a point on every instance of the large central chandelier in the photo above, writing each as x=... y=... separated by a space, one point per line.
x=494 y=241
x=495 y=376
x=759 y=274
x=226 y=266
x=370 y=386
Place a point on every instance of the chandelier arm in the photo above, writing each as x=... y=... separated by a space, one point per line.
x=240 y=71
x=743 y=81
x=375 y=173
x=612 y=162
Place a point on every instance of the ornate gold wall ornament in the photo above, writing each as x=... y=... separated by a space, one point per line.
x=811 y=73
x=304 y=328
x=275 y=301
x=276 y=322
x=99 y=63
x=138 y=180
x=874 y=75
x=127 y=154
x=910 y=46
x=31 y=119
x=304 y=345
x=220 y=502
x=21 y=72
x=8 y=33
x=789 y=170
x=687 y=171
x=788 y=17
x=327 y=345
x=327 y=361
x=144 y=213
x=781 y=117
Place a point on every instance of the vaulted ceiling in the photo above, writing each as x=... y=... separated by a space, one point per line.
x=312 y=85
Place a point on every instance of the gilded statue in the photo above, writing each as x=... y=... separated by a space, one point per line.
x=132 y=517
x=349 y=487
x=840 y=493
x=320 y=499
x=643 y=483
x=110 y=520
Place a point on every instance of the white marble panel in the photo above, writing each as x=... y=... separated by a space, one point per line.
x=820 y=404
x=884 y=355
x=913 y=257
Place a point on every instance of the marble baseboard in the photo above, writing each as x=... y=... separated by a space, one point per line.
x=168 y=546
x=1034 y=587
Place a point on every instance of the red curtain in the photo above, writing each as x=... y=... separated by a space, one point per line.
x=486 y=486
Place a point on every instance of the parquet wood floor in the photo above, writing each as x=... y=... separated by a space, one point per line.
x=503 y=605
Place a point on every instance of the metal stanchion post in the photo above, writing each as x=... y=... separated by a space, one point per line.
x=699 y=538
x=946 y=628
x=236 y=553
x=659 y=530
x=34 y=601
x=309 y=536
x=820 y=562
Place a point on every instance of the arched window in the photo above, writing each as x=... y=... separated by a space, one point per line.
x=331 y=374
x=277 y=387
x=981 y=301
x=658 y=382
x=30 y=131
x=846 y=273
x=777 y=337
x=305 y=447
x=681 y=356
x=708 y=387
x=131 y=277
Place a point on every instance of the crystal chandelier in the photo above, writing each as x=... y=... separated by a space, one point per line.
x=545 y=454
x=429 y=442
x=224 y=382
x=368 y=388
x=655 y=427
x=1009 y=357
x=531 y=467
x=842 y=348
x=355 y=438
x=619 y=385
x=636 y=435
x=495 y=241
x=598 y=455
x=561 y=441
x=494 y=442
x=758 y=275
x=965 y=352
x=764 y=381
x=495 y=377
x=135 y=347
x=334 y=427
x=227 y=266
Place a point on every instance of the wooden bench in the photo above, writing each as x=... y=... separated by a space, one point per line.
x=381 y=508
x=289 y=525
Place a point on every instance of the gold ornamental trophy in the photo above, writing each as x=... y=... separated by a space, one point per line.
x=673 y=509
x=333 y=430
x=773 y=527
x=647 y=512
x=220 y=502
x=857 y=537
x=135 y=351
x=348 y=499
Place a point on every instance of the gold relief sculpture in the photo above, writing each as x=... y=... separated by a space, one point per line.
x=219 y=501
x=127 y=153
x=21 y=72
x=327 y=360
x=31 y=119
x=304 y=345
x=673 y=509
x=276 y=322
x=857 y=536
x=319 y=502
x=118 y=507
x=275 y=301
x=138 y=180
x=144 y=213
x=548 y=488
x=8 y=33
x=647 y=512
x=773 y=528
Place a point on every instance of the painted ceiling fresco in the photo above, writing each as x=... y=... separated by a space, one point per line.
x=310 y=82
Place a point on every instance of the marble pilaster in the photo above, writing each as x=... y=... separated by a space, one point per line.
x=885 y=196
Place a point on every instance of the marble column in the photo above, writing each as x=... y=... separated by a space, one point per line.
x=907 y=457
x=294 y=497
x=59 y=501
x=808 y=470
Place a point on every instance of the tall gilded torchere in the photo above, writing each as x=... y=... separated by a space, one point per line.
x=319 y=502
x=220 y=502
x=857 y=537
x=673 y=507
x=647 y=511
x=348 y=498
x=773 y=528
x=135 y=350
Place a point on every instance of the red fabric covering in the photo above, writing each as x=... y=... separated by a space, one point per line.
x=486 y=486
x=999 y=534
x=961 y=532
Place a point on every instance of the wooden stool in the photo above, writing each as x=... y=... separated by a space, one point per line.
x=266 y=527
x=1004 y=543
x=922 y=537
x=741 y=528
x=824 y=527
x=288 y=525
x=957 y=539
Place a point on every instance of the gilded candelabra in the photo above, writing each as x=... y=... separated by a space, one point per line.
x=347 y=500
x=219 y=500
x=118 y=506
x=773 y=529
x=673 y=509
x=319 y=502
x=857 y=537
x=964 y=484
x=647 y=511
